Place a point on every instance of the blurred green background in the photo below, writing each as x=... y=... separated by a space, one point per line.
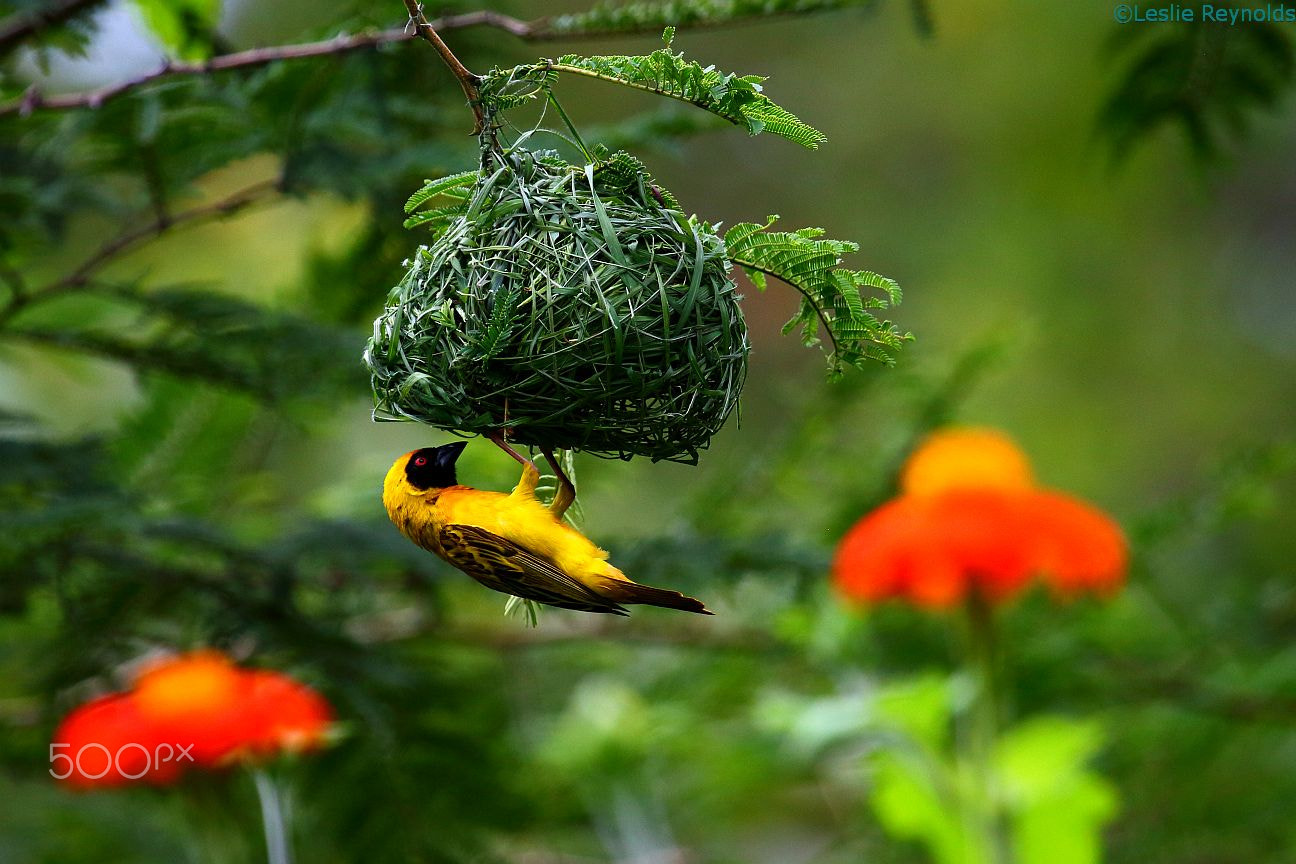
x=209 y=474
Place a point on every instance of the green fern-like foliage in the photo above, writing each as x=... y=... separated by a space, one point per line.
x=622 y=171
x=737 y=98
x=1209 y=78
x=831 y=295
x=455 y=187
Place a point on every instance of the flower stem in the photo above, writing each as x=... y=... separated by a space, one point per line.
x=272 y=818
x=983 y=732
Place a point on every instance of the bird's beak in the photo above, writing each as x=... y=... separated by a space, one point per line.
x=448 y=454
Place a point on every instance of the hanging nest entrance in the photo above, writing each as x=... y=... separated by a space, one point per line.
x=575 y=306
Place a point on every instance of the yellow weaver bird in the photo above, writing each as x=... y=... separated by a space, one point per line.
x=511 y=542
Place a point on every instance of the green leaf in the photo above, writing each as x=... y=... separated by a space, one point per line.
x=915 y=789
x=908 y=800
x=499 y=327
x=452 y=185
x=650 y=15
x=1210 y=79
x=737 y=98
x=831 y=294
x=1058 y=805
x=920 y=708
x=184 y=27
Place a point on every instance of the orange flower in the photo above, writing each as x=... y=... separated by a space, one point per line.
x=198 y=708
x=198 y=699
x=966 y=459
x=105 y=742
x=284 y=715
x=971 y=519
x=1077 y=545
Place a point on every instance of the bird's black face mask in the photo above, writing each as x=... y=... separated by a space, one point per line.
x=434 y=467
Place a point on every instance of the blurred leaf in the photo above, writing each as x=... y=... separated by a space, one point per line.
x=63 y=26
x=923 y=17
x=207 y=336
x=606 y=726
x=911 y=798
x=653 y=15
x=811 y=725
x=1209 y=78
x=184 y=27
x=1058 y=805
x=922 y=708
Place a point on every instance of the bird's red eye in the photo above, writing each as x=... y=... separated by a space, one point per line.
x=420 y=461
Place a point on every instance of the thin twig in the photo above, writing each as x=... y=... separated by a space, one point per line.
x=16 y=28
x=467 y=80
x=34 y=100
x=537 y=30
x=123 y=242
x=128 y=240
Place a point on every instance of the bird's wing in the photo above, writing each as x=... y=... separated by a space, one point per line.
x=505 y=566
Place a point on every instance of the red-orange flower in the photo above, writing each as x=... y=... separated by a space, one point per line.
x=284 y=715
x=970 y=518
x=199 y=699
x=105 y=742
x=197 y=709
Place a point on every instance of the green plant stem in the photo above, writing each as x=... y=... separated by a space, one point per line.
x=985 y=810
x=813 y=301
x=272 y=818
x=571 y=127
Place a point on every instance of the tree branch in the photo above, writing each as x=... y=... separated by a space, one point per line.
x=467 y=80
x=128 y=240
x=16 y=28
x=537 y=30
x=115 y=247
x=34 y=100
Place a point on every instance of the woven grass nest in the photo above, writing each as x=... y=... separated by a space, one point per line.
x=574 y=306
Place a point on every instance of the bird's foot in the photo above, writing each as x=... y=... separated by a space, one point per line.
x=566 y=493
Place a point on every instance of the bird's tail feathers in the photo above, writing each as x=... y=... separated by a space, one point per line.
x=633 y=592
